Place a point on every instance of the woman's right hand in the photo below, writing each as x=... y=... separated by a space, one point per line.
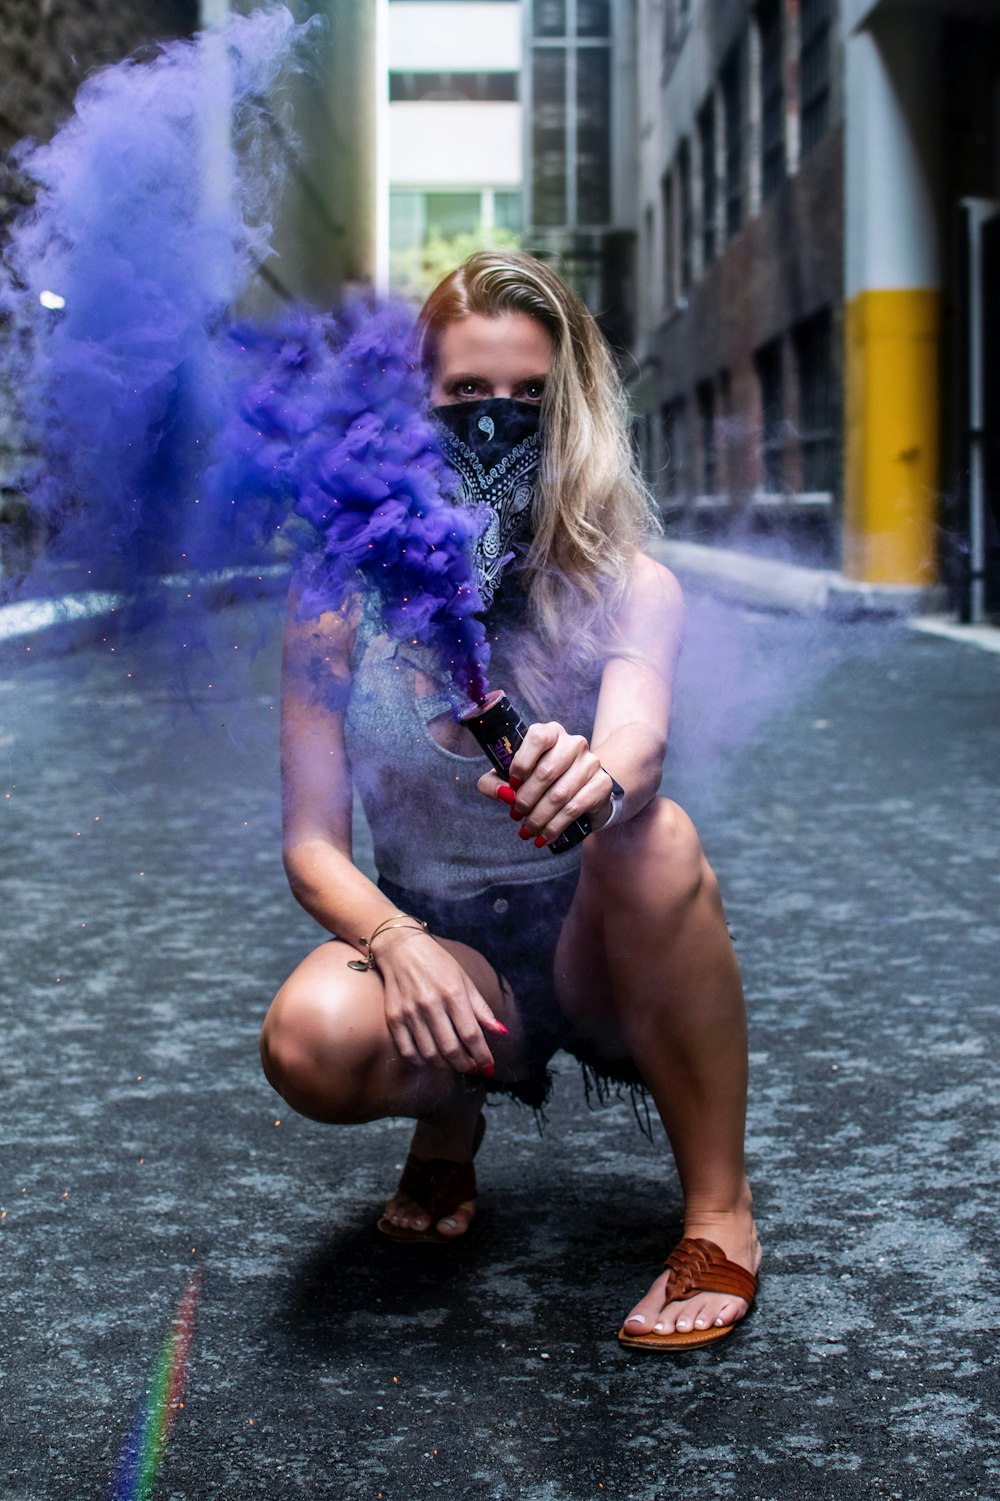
x=433 y=1011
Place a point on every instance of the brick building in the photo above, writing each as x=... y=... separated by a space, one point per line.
x=818 y=257
x=740 y=268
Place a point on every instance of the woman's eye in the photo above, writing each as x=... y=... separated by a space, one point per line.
x=533 y=391
x=465 y=390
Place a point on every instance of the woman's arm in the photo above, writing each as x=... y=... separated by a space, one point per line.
x=433 y=1010
x=560 y=776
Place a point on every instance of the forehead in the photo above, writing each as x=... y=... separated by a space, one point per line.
x=511 y=342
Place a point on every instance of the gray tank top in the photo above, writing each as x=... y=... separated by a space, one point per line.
x=432 y=831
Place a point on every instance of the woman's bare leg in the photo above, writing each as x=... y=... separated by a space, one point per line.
x=326 y=1049
x=645 y=966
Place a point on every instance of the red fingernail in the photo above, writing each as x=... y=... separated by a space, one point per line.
x=499 y=1027
x=524 y=833
x=488 y=1070
x=514 y=781
x=514 y=814
x=506 y=794
x=540 y=841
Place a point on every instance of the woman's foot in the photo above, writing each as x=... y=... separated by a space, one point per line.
x=736 y=1236
x=436 y=1142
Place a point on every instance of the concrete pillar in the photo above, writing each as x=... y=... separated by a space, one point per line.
x=329 y=237
x=893 y=299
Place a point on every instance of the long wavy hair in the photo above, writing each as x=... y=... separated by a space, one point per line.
x=591 y=511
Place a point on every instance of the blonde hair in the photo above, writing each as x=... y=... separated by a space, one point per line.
x=591 y=511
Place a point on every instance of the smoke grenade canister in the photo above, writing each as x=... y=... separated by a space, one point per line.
x=499 y=729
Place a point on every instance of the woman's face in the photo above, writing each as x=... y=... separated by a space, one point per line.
x=478 y=357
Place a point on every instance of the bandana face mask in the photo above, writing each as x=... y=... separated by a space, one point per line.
x=494 y=447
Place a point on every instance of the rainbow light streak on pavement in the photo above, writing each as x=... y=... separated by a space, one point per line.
x=142 y=1452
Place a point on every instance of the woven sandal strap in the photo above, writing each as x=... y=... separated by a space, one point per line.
x=701 y=1266
x=437 y=1185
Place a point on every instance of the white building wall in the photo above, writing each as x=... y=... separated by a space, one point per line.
x=453 y=144
x=455 y=38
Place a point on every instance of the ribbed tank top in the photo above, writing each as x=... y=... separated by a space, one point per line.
x=431 y=830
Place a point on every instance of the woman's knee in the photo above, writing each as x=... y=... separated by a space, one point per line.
x=655 y=857
x=318 y=1071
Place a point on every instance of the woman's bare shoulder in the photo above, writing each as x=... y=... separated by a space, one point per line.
x=330 y=633
x=654 y=588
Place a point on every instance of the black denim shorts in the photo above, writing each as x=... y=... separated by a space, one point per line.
x=516 y=929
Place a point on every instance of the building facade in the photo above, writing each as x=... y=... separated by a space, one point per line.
x=818 y=336
x=455 y=153
x=740 y=269
x=579 y=74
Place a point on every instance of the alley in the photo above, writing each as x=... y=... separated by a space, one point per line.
x=844 y=779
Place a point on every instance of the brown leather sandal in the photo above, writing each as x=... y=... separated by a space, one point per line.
x=696 y=1266
x=439 y=1186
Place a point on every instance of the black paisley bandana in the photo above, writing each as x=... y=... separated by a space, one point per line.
x=494 y=447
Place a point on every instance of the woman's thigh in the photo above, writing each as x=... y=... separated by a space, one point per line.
x=326 y=1047
x=582 y=979
x=637 y=882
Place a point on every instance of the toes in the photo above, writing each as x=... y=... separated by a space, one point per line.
x=645 y=1313
x=406 y=1215
x=675 y=1316
x=458 y=1221
x=696 y=1313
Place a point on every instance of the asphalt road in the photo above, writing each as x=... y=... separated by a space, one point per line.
x=845 y=782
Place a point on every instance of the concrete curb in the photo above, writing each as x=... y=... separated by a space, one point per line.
x=768 y=584
x=52 y=626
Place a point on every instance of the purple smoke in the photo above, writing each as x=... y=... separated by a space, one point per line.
x=328 y=440
x=169 y=440
x=149 y=219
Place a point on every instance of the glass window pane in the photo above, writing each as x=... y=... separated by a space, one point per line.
x=593 y=135
x=548 y=136
x=706 y=149
x=772 y=97
x=772 y=409
x=732 y=103
x=548 y=17
x=406 y=220
x=507 y=211
x=593 y=18
x=453 y=213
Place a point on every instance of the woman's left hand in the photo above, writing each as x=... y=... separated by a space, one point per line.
x=556 y=778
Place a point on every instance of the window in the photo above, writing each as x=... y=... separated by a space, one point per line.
x=407 y=223
x=548 y=17
x=731 y=80
x=676 y=480
x=669 y=230
x=818 y=424
x=593 y=18
x=706 y=150
x=548 y=132
x=507 y=210
x=414 y=216
x=686 y=216
x=772 y=98
x=593 y=135
x=570 y=70
x=815 y=39
x=705 y=396
x=772 y=411
x=432 y=86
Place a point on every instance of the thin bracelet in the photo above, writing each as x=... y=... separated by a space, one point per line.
x=398 y=920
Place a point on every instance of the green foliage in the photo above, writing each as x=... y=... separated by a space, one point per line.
x=416 y=271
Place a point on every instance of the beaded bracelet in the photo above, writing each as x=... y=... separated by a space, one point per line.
x=398 y=920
